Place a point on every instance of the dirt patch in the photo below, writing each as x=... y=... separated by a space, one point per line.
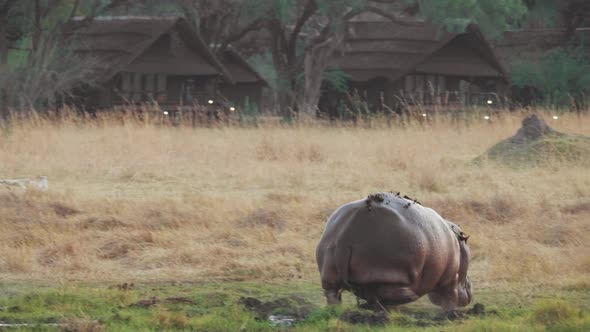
x=105 y=224
x=114 y=250
x=147 y=303
x=63 y=210
x=122 y=247
x=499 y=209
x=364 y=317
x=578 y=208
x=264 y=217
x=152 y=301
x=403 y=316
x=478 y=310
x=293 y=306
x=54 y=254
x=126 y=286
x=180 y=300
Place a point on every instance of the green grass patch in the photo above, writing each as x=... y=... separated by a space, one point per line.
x=220 y=307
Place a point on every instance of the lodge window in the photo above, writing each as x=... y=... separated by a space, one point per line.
x=149 y=82
x=136 y=87
x=139 y=87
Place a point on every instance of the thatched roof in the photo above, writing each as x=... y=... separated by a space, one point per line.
x=118 y=42
x=382 y=48
x=240 y=70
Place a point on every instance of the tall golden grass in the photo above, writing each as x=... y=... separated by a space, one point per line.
x=143 y=202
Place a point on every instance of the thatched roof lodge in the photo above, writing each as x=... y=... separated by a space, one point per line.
x=415 y=62
x=147 y=59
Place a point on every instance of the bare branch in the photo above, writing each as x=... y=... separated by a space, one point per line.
x=74 y=9
x=310 y=8
x=253 y=26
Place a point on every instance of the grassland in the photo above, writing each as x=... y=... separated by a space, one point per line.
x=156 y=205
x=218 y=307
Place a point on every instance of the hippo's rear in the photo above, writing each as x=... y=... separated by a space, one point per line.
x=391 y=250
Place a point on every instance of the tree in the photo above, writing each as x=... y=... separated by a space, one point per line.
x=569 y=14
x=561 y=77
x=51 y=69
x=492 y=16
x=303 y=36
x=10 y=26
x=20 y=20
x=221 y=22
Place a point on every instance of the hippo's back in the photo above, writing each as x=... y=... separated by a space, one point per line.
x=385 y=239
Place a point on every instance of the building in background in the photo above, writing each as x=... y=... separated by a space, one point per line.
x=146 y=60
x=393 y=65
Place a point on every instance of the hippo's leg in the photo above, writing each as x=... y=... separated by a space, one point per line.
x=446 y=297
x=396 y=294
x=333 y=296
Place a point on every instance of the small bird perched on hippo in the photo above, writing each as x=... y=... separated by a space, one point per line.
x=390 y=250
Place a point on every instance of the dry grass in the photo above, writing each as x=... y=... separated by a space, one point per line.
x=143 y=202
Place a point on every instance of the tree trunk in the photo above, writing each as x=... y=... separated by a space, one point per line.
x=4 y=111
x=573 y=16
x=3 y=42
x=280 y=54
x=316 y=61
x=36 y=25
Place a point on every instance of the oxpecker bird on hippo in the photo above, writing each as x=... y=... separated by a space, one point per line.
x=391 y=250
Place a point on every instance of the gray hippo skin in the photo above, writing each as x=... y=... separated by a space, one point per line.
x=390 y=250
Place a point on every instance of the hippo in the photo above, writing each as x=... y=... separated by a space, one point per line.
x=391 y=250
